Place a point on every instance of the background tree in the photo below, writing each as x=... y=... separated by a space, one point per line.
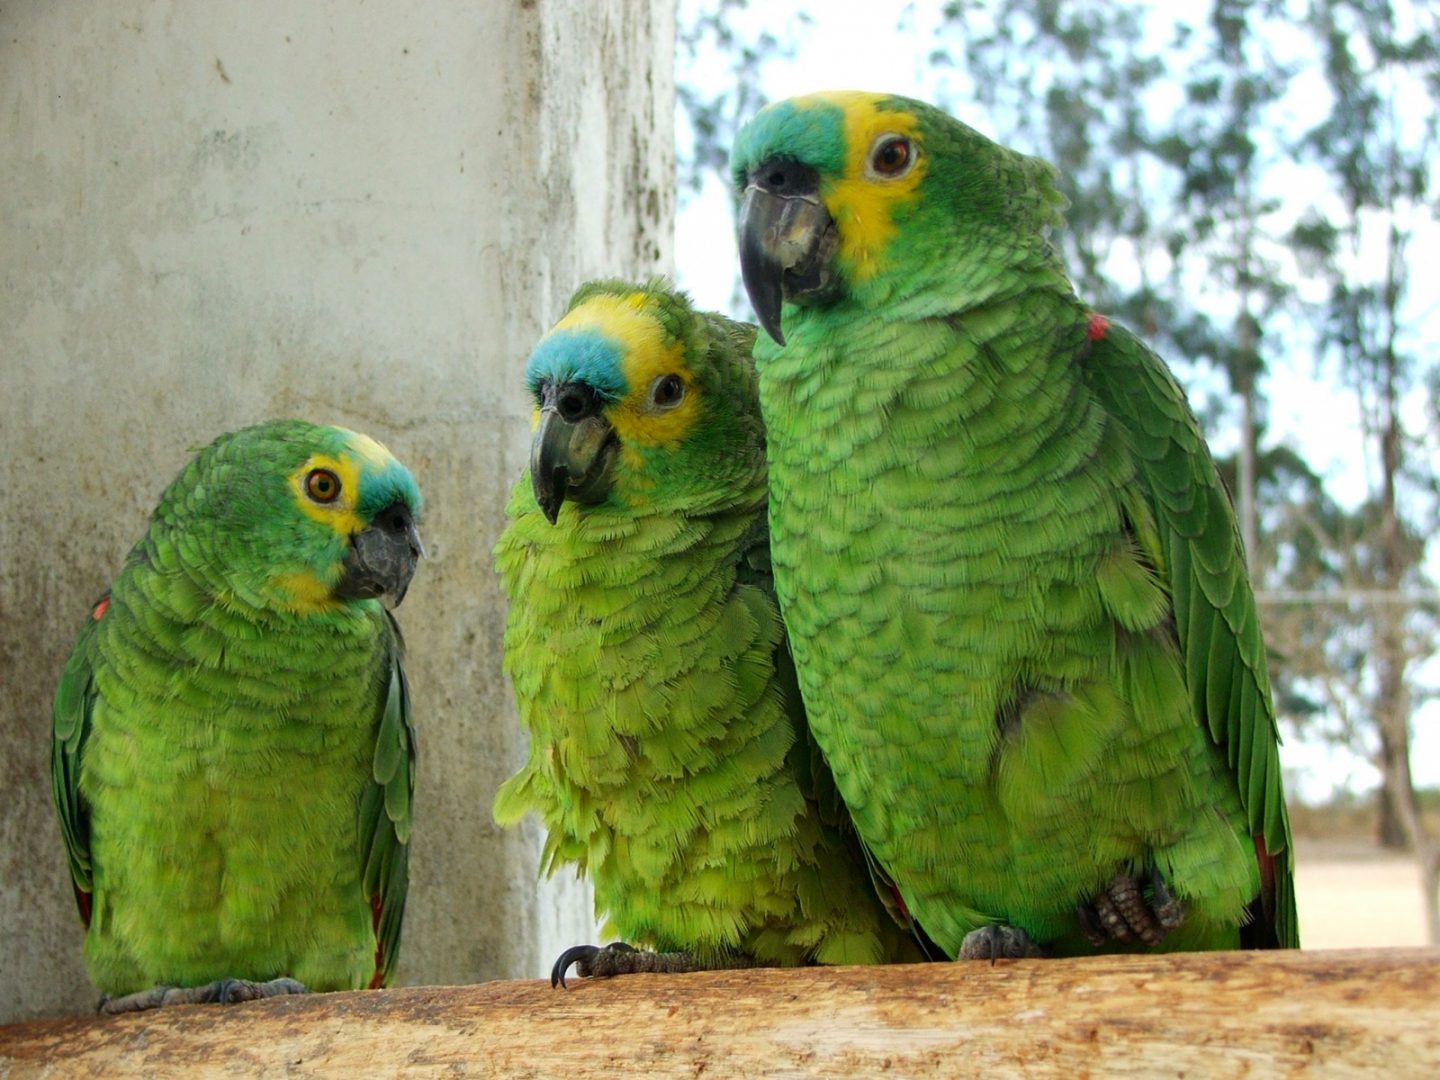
x=722 y=52
x=1377 y=145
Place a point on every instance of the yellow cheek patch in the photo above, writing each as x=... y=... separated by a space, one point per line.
x=307 y=594
x=863 y=205
x=646 y=355
x=339 y=515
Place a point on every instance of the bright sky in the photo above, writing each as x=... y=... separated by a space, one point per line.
x=885 y=45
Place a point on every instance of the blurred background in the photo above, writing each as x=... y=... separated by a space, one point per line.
x=366 y=214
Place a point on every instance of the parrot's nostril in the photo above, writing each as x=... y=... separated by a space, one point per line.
x=786 y=179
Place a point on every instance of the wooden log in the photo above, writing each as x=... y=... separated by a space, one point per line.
x=1344 y=1013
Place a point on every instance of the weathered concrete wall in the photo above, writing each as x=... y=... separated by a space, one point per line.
x=212 y=214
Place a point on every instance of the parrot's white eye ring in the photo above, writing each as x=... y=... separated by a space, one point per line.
x=891 y=156
x=666 y=392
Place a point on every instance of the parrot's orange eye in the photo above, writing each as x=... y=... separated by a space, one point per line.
x=891 y=156
x=322 y=485
x=667 y=391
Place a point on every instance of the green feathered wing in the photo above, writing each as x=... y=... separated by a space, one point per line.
x=1200 y=553
x=74 y=700
x=385 y=812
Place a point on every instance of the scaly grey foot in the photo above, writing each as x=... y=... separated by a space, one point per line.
x=996 y=941
x=617 y=958
x=1121 y=912
x=219 y=992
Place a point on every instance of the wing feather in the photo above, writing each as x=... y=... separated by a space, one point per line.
x=1214 y=607
x=70 y=718
x=385 y=810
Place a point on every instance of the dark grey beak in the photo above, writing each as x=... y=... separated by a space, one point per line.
x=787 y=241
x=572 y=448
x=383 y=557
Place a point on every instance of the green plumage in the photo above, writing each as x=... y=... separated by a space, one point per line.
x=1010 y=575
x=233 y=756
x=668 y=759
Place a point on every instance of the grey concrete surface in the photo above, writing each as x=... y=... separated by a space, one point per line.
x=211 y=214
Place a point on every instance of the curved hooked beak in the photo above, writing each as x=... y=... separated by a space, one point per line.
x=382 y=557
x=787 y=241
x=572 y=448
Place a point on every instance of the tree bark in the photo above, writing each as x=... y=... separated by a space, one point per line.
x=1349 y=1013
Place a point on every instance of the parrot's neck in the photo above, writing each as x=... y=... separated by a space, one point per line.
x=619 y=572
x=979 y=373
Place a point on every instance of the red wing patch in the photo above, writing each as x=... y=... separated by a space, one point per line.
x=1267 y=877
x=900 y=903
x=1098 y=328
x=84 y=902
x=378 y=979
x=101 y=607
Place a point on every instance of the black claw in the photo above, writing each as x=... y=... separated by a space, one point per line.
x=1090 y=925
x=590 y=960
x=993 y=944
x=228 y=991
x=1169 y=910
x=576 y=954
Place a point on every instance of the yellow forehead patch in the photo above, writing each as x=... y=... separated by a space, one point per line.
x=340 y=514
x=627 y=322
x=368 y=450
x=862 y=205
x=613 y=316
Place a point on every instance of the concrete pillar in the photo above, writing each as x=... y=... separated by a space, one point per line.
x=211 y=214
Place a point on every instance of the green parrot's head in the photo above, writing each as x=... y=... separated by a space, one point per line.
x=293 y=516
x=644 y=404
x=875 y=199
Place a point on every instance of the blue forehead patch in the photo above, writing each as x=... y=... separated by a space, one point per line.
x=809 y=130
x=379 y=487
x=582 y=356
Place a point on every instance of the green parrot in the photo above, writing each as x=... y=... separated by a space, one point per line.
x=1010 y=575
x=668 y=757
x=232 y=752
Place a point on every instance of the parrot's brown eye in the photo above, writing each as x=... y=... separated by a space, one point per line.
x=322 y=485
x=667 y=391
x=891 y=156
